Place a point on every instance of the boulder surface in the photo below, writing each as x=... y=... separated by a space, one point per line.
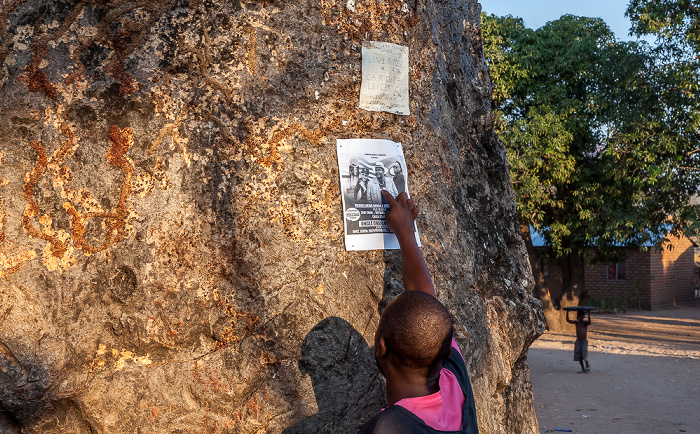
x=171 y=232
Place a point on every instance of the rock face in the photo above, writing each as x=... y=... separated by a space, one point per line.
x=171 y=237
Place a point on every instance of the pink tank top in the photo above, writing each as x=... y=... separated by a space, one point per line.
x=441 y=410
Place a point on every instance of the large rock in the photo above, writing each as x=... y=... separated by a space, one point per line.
x=172 y=252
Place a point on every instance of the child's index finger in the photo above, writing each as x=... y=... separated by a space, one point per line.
x=389 y=198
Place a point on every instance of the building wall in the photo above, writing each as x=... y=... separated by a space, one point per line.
x=653 y=279
x=553 y=281
x=672 y=274
x=634 y=290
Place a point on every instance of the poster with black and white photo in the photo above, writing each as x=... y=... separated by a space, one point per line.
x=366 y=167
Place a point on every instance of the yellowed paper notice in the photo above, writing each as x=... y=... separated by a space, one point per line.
x=384 y=78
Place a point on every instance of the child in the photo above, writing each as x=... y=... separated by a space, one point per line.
x=427 y=384
x=581 y=345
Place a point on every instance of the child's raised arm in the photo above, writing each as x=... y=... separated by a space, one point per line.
x=567 y=318
x=400 y=217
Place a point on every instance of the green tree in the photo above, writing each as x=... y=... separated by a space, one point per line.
x=676 y=23
x=600 y=141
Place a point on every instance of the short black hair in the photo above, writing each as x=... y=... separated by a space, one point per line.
x=417 y=329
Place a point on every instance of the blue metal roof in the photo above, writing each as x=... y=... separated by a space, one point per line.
x=539 y=241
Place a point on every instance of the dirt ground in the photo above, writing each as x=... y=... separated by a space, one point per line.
x=644 y=377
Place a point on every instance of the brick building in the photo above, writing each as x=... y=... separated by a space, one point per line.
x=646 y=279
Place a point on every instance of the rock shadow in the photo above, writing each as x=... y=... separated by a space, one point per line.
x=345 y=380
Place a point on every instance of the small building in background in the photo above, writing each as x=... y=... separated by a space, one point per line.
x=647 y=279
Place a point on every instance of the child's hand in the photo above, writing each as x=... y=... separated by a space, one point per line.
x=401 y=215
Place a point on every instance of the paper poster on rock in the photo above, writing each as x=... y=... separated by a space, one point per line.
x=366 y=167
x=384 y=78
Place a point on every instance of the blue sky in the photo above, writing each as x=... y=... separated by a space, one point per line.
x=537 y=13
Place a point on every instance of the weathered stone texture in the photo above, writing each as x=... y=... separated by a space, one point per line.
x=171 y=237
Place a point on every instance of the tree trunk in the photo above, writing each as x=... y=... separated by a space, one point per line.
x=555 y=318
x=171 y=233
x=573 y=279
x=573 y=289
x=573 y=284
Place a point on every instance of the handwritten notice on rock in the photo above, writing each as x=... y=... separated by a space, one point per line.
x=384 y=78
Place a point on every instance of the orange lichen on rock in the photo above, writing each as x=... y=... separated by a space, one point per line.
x=13 y=264
x=126 y=82
x=122 y=140
x=57 y=252
x=257 y=142
x=159 y=174
x=38 y=80
x=58 y=247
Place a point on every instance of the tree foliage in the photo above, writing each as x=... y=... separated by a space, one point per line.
x=602 y=138
x=676 y=23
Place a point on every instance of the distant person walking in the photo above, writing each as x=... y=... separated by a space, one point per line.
x=581 y=345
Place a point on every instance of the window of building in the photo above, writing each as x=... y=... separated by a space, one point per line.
x=544 y=266
x=617 y=271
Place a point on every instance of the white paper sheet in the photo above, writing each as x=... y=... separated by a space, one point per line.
x=384 y=78
x=367 y=166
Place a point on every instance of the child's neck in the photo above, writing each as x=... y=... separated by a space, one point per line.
x=400 y=386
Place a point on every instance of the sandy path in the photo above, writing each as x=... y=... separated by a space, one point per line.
x=645 y=375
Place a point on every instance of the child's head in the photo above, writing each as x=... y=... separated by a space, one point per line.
x=417 y=331
x=581 y=315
